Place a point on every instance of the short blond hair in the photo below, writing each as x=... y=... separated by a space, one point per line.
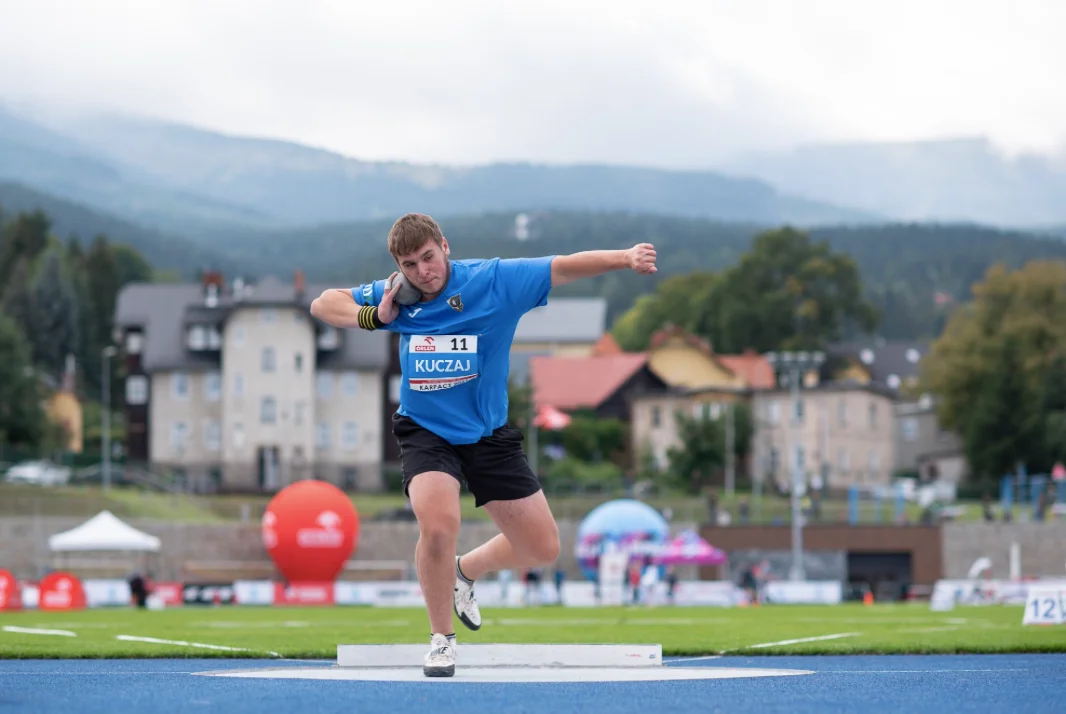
x=411 y=232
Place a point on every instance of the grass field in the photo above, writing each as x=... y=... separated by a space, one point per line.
x=316 y=632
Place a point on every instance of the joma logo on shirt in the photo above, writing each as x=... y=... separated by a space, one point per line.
x=442 y=365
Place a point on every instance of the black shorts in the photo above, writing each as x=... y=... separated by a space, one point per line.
x=493 y=469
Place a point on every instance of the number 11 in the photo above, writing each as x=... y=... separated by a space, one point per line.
x=458 y=343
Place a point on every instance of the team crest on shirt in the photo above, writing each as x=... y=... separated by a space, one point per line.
x=456 y=302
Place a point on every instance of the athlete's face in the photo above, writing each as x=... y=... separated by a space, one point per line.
x=427 y=267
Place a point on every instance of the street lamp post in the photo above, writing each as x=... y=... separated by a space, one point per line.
x=105 y=393
x=796 y=364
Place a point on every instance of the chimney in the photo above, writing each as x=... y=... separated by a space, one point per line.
x=68 y=375
x=212 y=282
x=298 y=279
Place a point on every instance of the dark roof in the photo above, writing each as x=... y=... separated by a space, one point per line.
x=885 y=360
x=564 y=320
x=164 y=310
x=837 y=386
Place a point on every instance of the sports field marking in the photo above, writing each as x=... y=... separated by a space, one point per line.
x=613 y=621
x=38 y=631
x=946 y=628
x=182 y=643
x=241 y=625
x=801 y=640
x=79 y=625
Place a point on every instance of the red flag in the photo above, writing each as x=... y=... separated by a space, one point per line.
x=549 y=417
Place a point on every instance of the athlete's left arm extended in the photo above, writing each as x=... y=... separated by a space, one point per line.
x=590 y=263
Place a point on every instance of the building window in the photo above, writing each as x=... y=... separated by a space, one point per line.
x=179 y=385
x=299 y=411
x=324 y=385
x=909 y=429
x=873 y=464
x=238 y=335
x=212 y=386
x=350 y=436
x=327 y=339
x=267 y=359
x=350 y=384
x=842 y=412
x=269 y=315
x=136 y=389
x=873 y=415
x=179 y=430
x=212 y=435
x=238 y=435
x=656 y=416
x=800 y=458
x=268 y=410
x=299 y=362
x=798 y=414
x=238 y=385
x=322 y=435
x=197 y=338
x=843 y=460
x=774 y=413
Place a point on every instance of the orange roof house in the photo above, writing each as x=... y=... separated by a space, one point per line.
x=688 y=361
x=602 y=384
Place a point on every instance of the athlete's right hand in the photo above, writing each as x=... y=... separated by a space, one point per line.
x=388 y=310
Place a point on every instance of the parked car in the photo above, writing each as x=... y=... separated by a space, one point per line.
x=40 y=473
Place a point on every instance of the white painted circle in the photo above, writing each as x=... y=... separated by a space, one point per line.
x=510 y=675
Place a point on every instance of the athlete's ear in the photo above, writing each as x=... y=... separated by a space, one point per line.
x=444 y=244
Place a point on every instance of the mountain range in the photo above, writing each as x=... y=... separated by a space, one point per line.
x=186 y=181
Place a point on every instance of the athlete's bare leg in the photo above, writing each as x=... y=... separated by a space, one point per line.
x=528 y=537
x=435 y=500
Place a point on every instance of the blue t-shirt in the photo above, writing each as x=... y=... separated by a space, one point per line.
x=455 y=350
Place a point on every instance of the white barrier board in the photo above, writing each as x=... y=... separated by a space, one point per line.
x=506 y=655
x=1045 y=606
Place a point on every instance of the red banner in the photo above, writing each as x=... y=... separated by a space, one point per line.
x=303 y=594
x=60 y=591
x=10 y=592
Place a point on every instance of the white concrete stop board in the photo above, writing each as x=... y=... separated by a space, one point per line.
x=505 y=655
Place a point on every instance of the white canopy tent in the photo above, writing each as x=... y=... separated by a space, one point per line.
x=104 y=532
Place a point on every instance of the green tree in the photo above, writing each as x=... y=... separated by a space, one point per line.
x=592 y=439
x=57 y=332
x=701 y=454
x=18 y=302
x=22 y=419
x=786 y=293
x=678 y=300
x=23 y=237
x=997 y=369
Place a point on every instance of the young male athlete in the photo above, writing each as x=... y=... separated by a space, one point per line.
x=452 y=421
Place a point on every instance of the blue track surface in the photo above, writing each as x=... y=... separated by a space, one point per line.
x=1030 y=684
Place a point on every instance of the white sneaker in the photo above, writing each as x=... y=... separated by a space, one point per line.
x=440 y=660
x=465 y=603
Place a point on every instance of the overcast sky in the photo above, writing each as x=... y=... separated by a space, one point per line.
x=658 y=82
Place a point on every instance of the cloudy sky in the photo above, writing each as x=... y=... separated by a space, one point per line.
x=658 y=82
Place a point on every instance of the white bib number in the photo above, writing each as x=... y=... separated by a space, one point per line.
x=436 y=362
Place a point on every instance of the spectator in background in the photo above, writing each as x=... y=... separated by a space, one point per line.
x=139 y=591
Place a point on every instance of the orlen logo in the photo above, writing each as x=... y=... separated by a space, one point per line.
x=270 y=538
x=325 y=537
x=428 y=346
x=61 y=596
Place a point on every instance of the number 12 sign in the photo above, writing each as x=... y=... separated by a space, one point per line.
x=1045 y=606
